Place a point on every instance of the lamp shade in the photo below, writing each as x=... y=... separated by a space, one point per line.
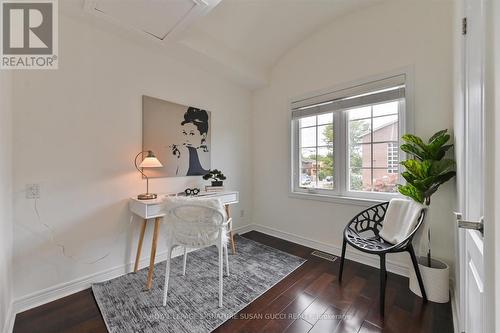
x=150 y=161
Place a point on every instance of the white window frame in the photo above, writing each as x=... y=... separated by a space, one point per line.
x=341 y=194
x=366 y=194
x=296 y=161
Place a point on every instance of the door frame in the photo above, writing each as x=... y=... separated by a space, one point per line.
x=459 y=131
x=492 y=160
x=492 y=172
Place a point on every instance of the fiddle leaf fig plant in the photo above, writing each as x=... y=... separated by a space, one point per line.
x=428 y=169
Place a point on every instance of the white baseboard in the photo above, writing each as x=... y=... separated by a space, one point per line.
x=58 y=291
x=364 y=258
x=455 y=309
x=8 y=326
x=395 y=267
x=243 y=229
x=65 y=289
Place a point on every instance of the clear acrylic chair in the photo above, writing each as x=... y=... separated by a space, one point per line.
x=196 y=226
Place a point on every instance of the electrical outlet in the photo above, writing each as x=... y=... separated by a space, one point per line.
x=242 y=213
x=32 y=191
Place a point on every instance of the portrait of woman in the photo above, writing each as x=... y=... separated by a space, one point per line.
x=179 y=135
x=195 y=127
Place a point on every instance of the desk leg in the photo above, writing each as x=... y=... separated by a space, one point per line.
x=153 y=253
x=231 y=236
x=139 y=245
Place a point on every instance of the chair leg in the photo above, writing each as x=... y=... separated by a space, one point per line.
x=383 y=281
x=185 y=261
x=342 y=259
x=227 y=260
x=167 y=276
x=221 y=263
x=417 y=272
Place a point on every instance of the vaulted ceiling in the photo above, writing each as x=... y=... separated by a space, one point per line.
x=239 y=39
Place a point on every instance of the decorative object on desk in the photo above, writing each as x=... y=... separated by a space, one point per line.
x=149 y=162
x=191 y=192
x=217 y=177
x=214 y=188
x=425 y=172
x=179 y=134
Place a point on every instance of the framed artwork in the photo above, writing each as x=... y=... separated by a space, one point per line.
x=179 y=135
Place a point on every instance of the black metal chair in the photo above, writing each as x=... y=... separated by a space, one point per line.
x=362 y=233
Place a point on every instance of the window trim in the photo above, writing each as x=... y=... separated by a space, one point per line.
x=341 y=193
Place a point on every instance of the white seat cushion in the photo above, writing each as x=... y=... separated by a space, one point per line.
x=191 y=221
x=400 y=220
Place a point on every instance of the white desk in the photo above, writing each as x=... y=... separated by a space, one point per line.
x=152 y=209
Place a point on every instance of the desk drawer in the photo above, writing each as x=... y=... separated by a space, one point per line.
x=154 y=210
x=145 y=210
x=148 y=209
x=229 y=198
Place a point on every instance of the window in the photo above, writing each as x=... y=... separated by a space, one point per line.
x=316 y=151
x=346 y=143
x=392 y=157
x=371 y=129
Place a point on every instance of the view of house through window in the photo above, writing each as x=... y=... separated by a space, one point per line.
x=373 y=147
x=316 y=151
x=346 y=143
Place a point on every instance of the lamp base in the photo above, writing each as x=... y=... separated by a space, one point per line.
x=147 y=196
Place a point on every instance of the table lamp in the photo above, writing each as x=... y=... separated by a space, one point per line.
x=149 y=162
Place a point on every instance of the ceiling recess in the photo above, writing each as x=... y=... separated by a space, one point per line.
x=159 y=19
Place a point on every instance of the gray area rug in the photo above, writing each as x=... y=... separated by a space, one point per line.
x=192 y=299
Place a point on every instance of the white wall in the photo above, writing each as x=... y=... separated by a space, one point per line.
x=76 y=131
x=368 y=42
x=6 y=229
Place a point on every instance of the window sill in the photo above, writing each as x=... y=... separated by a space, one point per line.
x=365 y=202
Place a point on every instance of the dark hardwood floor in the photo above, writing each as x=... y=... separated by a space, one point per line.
x=308 y=300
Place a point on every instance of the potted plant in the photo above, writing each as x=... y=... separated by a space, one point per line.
x=425 y=172
x=217 y=177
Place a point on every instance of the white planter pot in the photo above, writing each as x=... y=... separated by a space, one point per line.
x=436 y=280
